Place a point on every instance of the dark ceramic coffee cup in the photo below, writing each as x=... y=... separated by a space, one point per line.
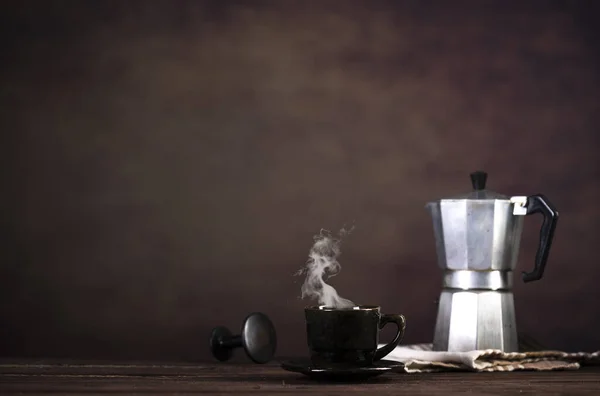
x=349 y=335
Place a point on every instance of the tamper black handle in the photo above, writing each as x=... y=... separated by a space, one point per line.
x=478 y=180
x=258 y=338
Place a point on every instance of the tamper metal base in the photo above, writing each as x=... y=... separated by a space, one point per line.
x=218 y=348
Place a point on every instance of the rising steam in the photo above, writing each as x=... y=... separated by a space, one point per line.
x=322 y=262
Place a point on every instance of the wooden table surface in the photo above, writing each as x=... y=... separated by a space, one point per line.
x=246 y=378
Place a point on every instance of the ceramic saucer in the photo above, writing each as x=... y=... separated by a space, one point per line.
x=342 y=372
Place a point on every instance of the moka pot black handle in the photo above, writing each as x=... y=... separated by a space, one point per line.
x=539 y=204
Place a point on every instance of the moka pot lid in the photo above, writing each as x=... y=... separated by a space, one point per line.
x=479 y=193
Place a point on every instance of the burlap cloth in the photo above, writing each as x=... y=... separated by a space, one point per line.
x=419 y=358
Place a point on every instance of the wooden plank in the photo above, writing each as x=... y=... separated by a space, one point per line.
x=214 y=379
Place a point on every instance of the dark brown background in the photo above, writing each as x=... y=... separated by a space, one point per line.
x=166 y=163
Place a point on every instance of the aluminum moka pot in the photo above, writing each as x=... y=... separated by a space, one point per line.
x=477 y=241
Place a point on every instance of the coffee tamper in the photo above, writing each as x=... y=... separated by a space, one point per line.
x=258 y=338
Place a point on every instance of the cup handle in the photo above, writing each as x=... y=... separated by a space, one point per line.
x=400 y=322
